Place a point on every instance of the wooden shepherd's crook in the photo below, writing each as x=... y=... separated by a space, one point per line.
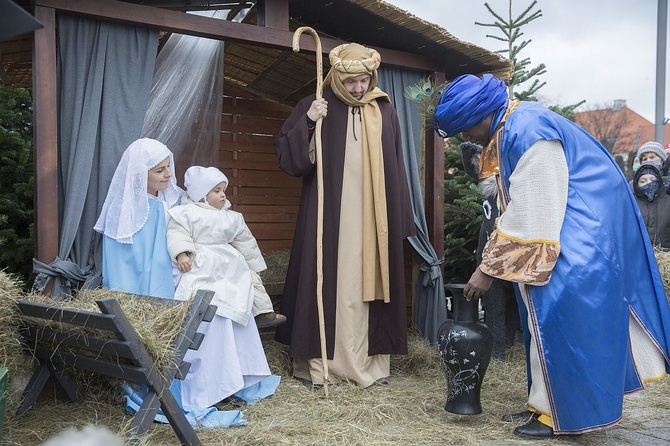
x=319 y=189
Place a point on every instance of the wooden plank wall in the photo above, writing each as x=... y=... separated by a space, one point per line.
x=267 y=197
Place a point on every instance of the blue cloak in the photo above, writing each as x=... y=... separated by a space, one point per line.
x=606 y=270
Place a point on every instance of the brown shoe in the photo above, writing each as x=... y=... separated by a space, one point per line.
x=269 y=320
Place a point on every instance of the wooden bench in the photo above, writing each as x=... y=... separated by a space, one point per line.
x=96 y=353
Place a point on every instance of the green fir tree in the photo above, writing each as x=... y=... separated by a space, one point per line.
x=462 y=217
x=511 y=36
x=524 y=76
x=16 y=182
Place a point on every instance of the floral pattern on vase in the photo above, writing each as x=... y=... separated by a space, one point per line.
x=465 y=346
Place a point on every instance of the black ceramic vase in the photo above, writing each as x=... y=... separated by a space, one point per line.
x=465 y=346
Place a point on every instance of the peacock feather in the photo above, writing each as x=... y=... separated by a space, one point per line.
x=426 y=95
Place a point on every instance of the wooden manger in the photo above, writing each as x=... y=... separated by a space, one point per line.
x=107 y=343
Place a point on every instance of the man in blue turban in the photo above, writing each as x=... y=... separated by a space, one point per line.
x=570 y=236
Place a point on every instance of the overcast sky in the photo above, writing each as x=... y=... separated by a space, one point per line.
x=594 y=50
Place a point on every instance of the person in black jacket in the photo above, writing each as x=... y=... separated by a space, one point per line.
x=654 y=204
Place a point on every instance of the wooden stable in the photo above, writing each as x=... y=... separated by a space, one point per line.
x=263 y=79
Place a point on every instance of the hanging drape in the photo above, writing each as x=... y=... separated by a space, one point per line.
x=430 y=308
x=104 y=78
x=186 y=98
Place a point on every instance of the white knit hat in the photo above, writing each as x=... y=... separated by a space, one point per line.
x=199 y=181
x=654 y=147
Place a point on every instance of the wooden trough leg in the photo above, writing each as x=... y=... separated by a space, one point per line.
x=63 y=382
x=34 y=388
x=145 y=415
x=144 y=418
x=178 y=420
x=38 y=381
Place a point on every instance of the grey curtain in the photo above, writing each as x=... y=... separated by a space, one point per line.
x=104 y=78
x=430 y=307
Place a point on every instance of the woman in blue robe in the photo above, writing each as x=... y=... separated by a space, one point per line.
x=134 y=221
x=592 y=303
x=135 y=258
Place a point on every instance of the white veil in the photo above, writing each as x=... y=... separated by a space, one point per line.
x=126 y=207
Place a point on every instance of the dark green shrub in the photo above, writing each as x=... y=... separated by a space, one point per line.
x=16 y=182
x=462 y=218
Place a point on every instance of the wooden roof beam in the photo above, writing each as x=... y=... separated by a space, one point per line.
x=268 y=71
x=173 y=21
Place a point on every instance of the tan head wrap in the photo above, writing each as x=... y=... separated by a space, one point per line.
x=350 y=60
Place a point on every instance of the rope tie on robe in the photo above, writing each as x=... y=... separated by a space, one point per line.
x=354 y=111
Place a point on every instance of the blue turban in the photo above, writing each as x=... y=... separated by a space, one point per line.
x=467 y=101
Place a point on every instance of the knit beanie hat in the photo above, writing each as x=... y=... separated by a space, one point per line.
x=654 y=147
x=199 y=181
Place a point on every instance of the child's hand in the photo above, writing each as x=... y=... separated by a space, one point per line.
x=184 y=262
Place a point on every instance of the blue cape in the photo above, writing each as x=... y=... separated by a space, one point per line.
x=606 y=270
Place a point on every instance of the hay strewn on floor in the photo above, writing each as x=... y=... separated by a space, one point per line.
x=408 y=411
x=11 y=352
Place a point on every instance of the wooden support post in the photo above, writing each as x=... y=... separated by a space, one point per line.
x=45 y=128
x=435 y=184
x=273 y=14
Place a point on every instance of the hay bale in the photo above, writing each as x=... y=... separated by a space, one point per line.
x=157 y=326
x=277 y=266
x=18 y=364
x=663 y=260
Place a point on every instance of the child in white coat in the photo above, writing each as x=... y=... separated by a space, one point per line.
x=215 y=250
x=232 y=279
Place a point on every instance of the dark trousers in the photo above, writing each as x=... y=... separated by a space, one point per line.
x=501 y=314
